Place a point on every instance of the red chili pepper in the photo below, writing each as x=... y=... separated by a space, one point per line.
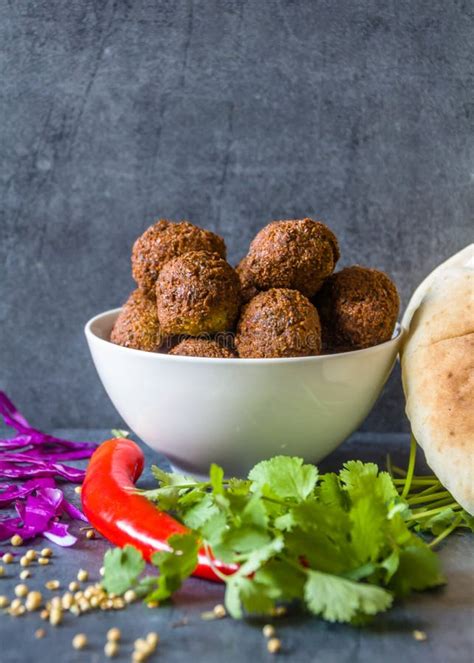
x=123 y=516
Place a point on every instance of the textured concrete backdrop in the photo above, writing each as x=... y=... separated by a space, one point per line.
x=229 y=113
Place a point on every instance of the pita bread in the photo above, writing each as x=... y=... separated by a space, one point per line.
x=438 y=372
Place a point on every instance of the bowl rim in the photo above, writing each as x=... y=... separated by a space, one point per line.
x=245 y=361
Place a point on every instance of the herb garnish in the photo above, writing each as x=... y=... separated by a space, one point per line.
x=344 y=545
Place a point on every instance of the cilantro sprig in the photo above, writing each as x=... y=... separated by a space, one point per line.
x=344 y=545
x=433 y=510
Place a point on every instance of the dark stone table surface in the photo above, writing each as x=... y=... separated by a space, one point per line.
x=445 y=615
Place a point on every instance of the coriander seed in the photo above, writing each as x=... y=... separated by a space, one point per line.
x=268 y=631
x=55 y=616
x=16 y=540
x=130 y=596
x=141 y=645
x=40 y=633
x=21 y=590
x=139 y=657
x=111 y=648
x=219 y=611
x=152 y=640
x=33 y=601
x=79 y=641
x=52 y=584
x=274 y=645
x=114 y=634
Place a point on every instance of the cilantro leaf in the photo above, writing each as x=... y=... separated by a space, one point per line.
x=171 y=478
x=249 y=595
x=119 y=432
x=175 y=565
x=199 y=512
x=259 y=556
x=321 y=535
x=437 y=523
x=330 y=491
x=285 y=581
x=216 y=476
x=287 y=477
x=368 y=519
x=122 y=567
x=341 y=600
x=244 y=539
x=170 y=490
x=468 y=520
x=418 y=569
x=360 y=478
x=391 y=564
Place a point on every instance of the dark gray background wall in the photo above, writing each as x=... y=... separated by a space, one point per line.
x=229 y=114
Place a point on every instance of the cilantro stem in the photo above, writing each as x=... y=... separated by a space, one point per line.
x=275 y=501
x=411 y=467
x=432 y=497
x=431 y=512
x=441 y=502
x=446 y=532
x=211 y=562
x=428 y=491
x=426 y=478
x=399 y=471
x=417 y=481
x=296 y=565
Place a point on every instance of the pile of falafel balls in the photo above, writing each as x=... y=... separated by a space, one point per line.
x=282 y=300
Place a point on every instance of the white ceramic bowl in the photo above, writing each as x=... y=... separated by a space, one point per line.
x=236 y=412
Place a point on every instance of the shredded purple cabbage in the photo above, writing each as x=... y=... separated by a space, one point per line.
x=39 y=503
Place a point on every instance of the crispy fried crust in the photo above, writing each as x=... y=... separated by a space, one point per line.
x=166 y=240
x=198 y=347
x=296 y=254
x=278 y=323
x=358 y=308
x=137 y=324
x=197 y=293
x=247 y=287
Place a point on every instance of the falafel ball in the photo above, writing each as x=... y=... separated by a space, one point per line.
x=247 y=286
x=297 y=254
x=137 y=324
x=278 y=323
x=200 y=347
x=166 y=240
x=196 y=293
x=358 y=307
